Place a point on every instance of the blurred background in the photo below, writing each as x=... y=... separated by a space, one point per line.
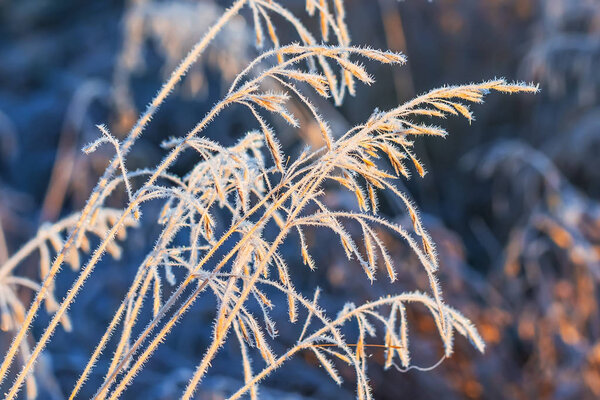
x=511 y=199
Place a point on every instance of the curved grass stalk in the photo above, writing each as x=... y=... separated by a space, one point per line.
x=459 y=323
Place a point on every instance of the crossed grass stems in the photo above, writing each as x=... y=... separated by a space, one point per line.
x=255 y=192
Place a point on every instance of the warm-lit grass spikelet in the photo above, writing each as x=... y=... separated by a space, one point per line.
x=265 y=201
